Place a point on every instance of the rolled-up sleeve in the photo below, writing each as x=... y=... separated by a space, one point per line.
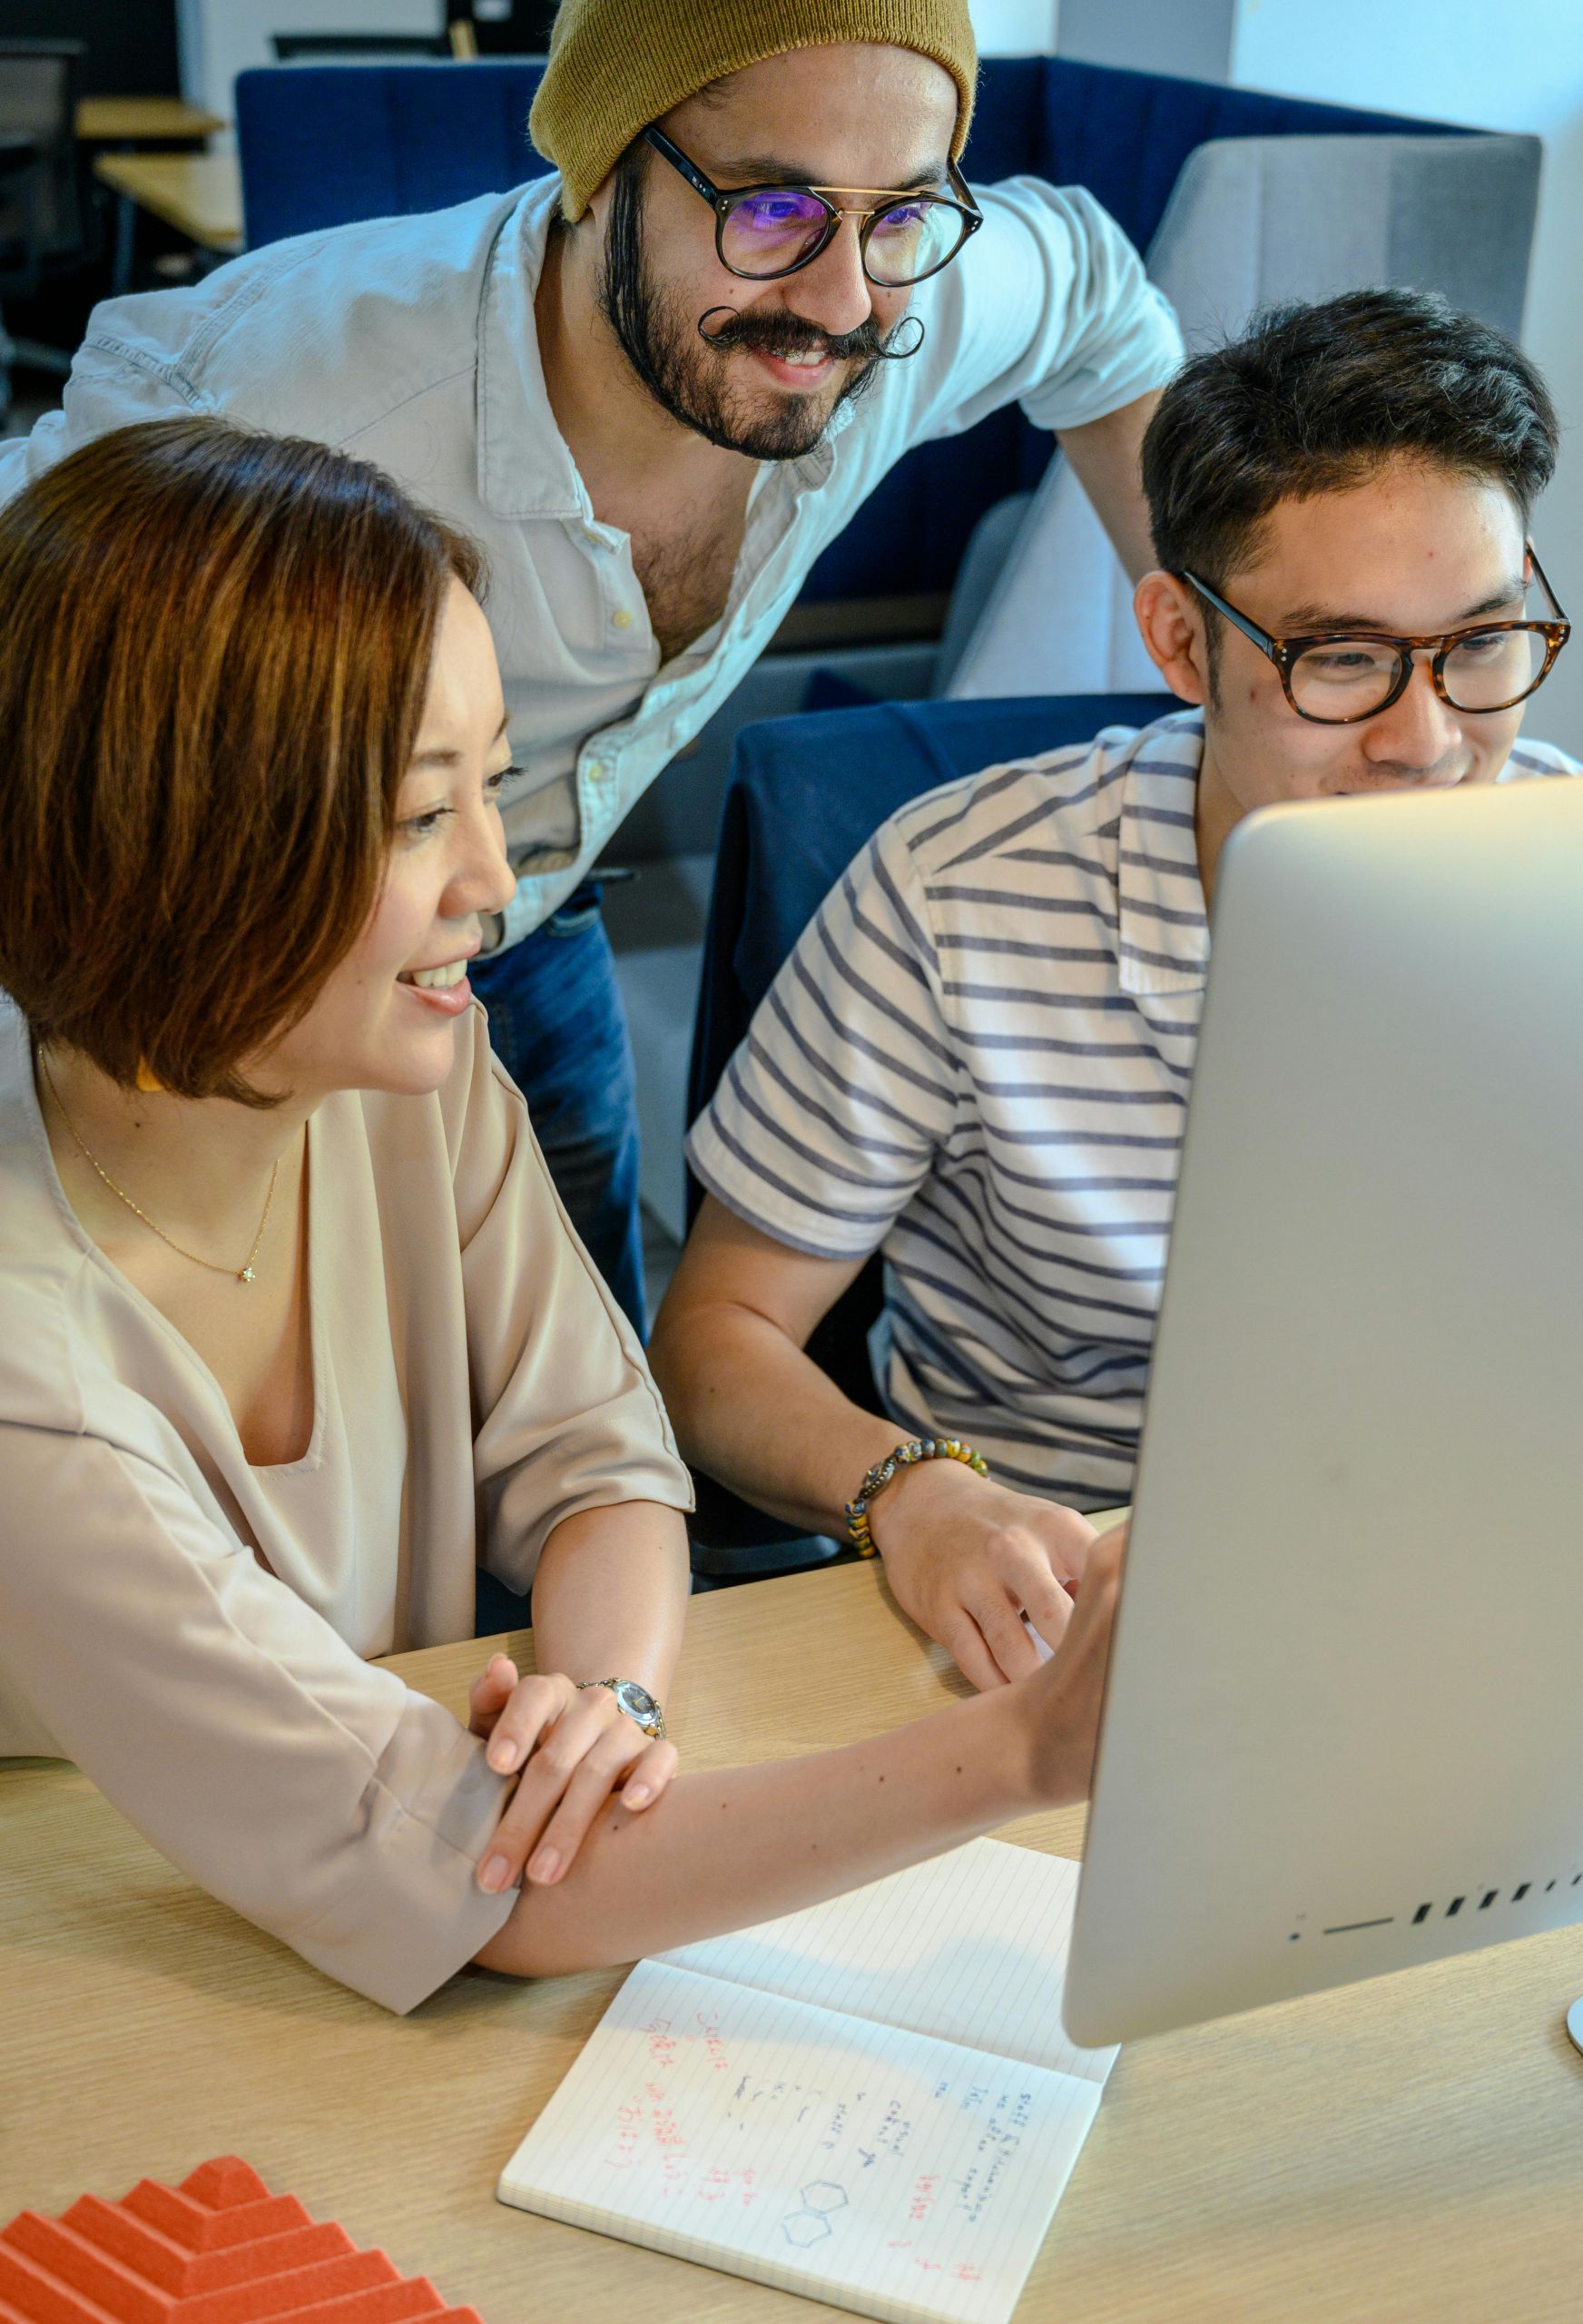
x=317 y=1796
x=567 y=1413
x=1049 y=306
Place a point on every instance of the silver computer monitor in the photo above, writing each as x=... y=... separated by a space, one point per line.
x=1343 y=1723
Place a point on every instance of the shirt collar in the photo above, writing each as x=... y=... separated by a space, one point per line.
x=1163 y=928
x=524 y=469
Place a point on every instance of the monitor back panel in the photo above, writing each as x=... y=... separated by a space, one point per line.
x=1343 y=1728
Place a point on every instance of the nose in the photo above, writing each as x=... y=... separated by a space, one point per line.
x=482 y=880
x=1419 y=730
x=834 y=292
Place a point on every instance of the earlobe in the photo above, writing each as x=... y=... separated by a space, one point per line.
x=1171 y=624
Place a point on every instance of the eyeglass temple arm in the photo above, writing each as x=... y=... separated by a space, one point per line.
x=1249 y=629
x=1543 y=578
x=679 y=161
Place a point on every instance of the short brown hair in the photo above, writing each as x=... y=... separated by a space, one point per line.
x=214 y=648
x=1315 y=398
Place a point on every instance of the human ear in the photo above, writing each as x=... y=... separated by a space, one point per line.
x=1171 y=623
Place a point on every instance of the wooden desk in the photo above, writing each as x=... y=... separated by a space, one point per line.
x=134 y=121
x=1404 y=2150
x=197 y=193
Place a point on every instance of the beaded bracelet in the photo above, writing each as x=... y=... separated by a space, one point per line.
x=917 y=1448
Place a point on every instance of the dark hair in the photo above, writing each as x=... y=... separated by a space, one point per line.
x=214 y=648
x=1312 y=398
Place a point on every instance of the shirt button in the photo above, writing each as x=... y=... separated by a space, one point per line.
x=596 y=770
x=622 y=618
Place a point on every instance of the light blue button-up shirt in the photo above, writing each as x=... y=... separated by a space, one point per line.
x=411 y=342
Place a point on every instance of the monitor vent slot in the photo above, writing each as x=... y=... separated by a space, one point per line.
x=1489 y=1896
x=1449 y=1908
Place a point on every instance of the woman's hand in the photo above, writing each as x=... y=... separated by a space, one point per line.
x=575 y=1748
x=1064 y=1699
x=966 y=1556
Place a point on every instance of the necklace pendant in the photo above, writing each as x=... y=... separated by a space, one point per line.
x=246 y=1276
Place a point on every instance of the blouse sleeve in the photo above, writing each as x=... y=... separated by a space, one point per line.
x=317 y=1796
x=567 y=1413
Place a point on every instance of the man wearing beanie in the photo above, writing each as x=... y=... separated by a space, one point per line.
x=654 y=405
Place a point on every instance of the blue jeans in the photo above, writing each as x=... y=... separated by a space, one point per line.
x=558 y=1025
x=558 y=1028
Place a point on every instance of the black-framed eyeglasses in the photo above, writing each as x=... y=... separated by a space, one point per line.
x=764 y=231
x=1336 y=678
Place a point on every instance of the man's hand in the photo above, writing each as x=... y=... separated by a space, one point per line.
x=575 y=1748
x=966 y=1558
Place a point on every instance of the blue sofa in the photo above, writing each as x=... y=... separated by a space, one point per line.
x=324 y=145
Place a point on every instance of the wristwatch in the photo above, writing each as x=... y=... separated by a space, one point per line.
x=636 y=1701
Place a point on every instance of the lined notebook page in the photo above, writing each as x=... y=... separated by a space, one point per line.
x=862 y=2164
x=971 y=1947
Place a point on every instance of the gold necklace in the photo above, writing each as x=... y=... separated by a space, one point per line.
x=244 y=1273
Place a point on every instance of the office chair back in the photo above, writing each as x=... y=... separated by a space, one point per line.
x=42 y=216
x=383 y=48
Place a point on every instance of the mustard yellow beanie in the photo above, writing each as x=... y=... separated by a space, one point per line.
x=617 y=66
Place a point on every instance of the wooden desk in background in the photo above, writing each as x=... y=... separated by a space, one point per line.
x=1403 y=2150
x=134 y=121
x=197 y=193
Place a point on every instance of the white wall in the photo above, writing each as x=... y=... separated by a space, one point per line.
x=1512 y=64
x=1016 y=27
x=220 y=38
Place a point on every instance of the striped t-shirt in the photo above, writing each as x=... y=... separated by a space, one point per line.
x=977 y=1057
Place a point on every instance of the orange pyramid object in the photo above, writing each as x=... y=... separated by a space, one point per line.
x=219 y=2249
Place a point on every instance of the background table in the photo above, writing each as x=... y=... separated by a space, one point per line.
x=197 y=193
x=131 y=121
x=1409 y=2149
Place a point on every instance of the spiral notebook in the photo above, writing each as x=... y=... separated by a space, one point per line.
x=871 y=2103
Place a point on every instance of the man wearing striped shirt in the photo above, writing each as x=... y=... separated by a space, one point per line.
x=978 y=1058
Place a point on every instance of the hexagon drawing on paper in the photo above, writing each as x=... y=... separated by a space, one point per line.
x=803 y=2228
x=825 y=2195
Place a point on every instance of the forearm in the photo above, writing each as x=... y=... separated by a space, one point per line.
x=721 y=1851
x=752 y=1410
x=610 y=1595
x=1106 y=455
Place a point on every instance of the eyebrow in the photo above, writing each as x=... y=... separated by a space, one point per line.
x=1304 y=618
x=764 y=169
x=452 y=757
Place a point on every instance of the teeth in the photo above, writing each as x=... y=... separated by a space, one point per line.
x=803 y=362
x=452 y=973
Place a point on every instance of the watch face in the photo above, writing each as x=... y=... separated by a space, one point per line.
x=636 y=1701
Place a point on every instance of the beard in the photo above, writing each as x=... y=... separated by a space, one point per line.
x=689 y=377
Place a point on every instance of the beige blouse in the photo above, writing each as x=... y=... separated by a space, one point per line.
x=474 y=1385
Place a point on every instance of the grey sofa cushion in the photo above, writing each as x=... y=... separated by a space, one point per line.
x=1254 y=220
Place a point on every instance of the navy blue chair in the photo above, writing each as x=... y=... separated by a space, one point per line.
x=805 y=794
x=324 y=145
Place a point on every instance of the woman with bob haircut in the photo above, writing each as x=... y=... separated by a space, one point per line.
x=293 y=1332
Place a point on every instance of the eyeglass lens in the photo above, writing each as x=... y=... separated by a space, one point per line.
x=770 y=232
x=1347 y=677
